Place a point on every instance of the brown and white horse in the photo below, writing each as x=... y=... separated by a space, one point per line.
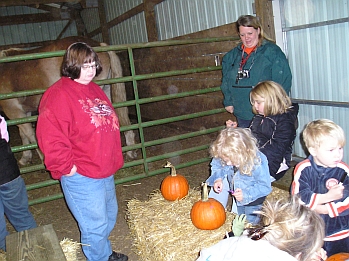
x=42 y=73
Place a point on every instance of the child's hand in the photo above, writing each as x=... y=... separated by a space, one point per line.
x=230 y=123
x=319 y=255
x=218 y=186
x=335 y=192
x=238 y=194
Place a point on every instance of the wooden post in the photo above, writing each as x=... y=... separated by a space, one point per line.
x=264 y=10
x=103 y=22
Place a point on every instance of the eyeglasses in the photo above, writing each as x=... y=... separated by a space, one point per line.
x=87 y=66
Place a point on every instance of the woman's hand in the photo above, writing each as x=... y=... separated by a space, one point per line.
x=218 y=186
x=230 y=109
x=230 y=123
x=72 y=171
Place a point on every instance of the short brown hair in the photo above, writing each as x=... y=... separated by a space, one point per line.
x=76 y=55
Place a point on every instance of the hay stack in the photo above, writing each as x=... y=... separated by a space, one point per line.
x=162 y=230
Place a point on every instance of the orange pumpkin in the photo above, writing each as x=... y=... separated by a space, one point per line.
x=175 y=186
x=207 y=213
x=338 y=257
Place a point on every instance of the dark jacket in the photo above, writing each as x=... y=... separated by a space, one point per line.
x=268 y=62
x=311 y=180
x=9 y=169
x=275 y=135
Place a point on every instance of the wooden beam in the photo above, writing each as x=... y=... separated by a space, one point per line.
x=264 y=10
x=103 y=22
x=34 y=2
x=29 y=18
x=150 y=22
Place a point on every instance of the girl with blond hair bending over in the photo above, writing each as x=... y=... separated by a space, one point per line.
x=237 y=159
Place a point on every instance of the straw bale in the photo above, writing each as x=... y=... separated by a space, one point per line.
x=162 y=230
x=278 y=194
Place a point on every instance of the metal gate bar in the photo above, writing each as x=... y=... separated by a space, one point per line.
x=137 y=102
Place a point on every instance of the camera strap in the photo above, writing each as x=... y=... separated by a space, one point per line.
x=244 y=60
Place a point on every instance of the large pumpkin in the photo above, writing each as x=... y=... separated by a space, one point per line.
x=174 y=186
x=207 y=213
x=338 y=257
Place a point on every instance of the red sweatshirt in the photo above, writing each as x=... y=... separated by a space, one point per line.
x=77 y=125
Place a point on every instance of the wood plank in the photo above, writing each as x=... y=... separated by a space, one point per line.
x=31 y=18
x=33 y=2
x=35 y=244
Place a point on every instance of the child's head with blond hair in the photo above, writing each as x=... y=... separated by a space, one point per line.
x=324 y=140
x=238 y=146
x=275 y=99
x=293 y=228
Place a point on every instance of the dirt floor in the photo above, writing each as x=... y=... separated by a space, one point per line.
x=56 y=212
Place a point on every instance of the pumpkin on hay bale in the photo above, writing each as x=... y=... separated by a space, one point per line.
x=162 y=230
x=174 y=186
x=207 y=213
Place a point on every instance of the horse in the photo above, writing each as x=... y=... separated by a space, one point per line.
x=41 y=74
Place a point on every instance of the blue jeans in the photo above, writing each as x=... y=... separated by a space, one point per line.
x=248 y=211
x=14 y=204
x=93 y=204
x=243 y=123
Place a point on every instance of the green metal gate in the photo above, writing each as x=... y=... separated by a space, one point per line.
x=140 y=125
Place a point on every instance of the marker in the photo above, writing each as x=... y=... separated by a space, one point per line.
x=344 y=175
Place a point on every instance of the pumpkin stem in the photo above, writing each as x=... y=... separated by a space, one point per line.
x=204 y=195
x=173 y=169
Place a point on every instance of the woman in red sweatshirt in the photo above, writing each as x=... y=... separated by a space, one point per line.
x=78 y=132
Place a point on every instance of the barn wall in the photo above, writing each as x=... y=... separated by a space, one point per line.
x=173 y=18
x=162 y=59
x=316 y=34
x=31 y=32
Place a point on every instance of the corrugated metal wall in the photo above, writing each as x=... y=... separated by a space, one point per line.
x=34 y=32
x=174 y=17
x=180 y=17
x=317 y=37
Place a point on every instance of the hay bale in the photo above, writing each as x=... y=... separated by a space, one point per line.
x=162 y=230
x=278 y=194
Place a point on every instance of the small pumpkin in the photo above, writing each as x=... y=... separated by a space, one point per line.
x=338 y=257
x=174 y=186
x=207 y=213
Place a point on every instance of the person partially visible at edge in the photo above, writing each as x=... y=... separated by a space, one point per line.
x=13 y=194
x=254 y=60
x=274 y=125
x=79 y=135
x=322 y=183
x=240 y=169
x=288 y=231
